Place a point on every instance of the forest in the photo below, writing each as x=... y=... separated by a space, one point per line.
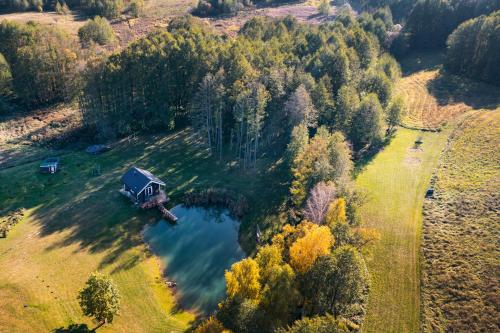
x=319 y=98
x=106 y=8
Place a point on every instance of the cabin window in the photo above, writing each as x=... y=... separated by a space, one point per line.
x=149 y=190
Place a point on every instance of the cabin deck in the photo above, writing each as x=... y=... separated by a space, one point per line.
x=154 y=201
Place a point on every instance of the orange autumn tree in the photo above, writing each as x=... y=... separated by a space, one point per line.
x=317 y=241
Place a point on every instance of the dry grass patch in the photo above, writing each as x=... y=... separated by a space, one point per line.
x=433 y=98
x=41 y=125
x=70 y=23
x=460 y=253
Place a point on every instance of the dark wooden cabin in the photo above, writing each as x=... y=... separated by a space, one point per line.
x=141 y=185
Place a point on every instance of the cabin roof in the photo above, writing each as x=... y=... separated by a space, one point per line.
x=137 y=179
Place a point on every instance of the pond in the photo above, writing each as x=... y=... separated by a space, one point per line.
x=195 y=252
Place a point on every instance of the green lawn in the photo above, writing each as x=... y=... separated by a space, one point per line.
x=395 y=182
x=78 y=223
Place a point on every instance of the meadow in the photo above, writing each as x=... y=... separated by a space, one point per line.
x=396 y=180
x=77 y=223
x=460 y=255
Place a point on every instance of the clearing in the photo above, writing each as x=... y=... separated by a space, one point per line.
x=70 y=23
x=303 y=12
x=77 y=222
x=396 y=181
x=460 y=254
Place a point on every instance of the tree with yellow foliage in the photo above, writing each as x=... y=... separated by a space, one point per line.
x=280 y=296
x=211 y=325
x=268 y=257
x=242 y=281
x=336 y=213
x=316 y=242
x=365 y=236
x=336 y=220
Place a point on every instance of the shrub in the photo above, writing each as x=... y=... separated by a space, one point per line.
x=96 y=30
x=5 y=76
x=324 y=7
x=236 y=203
x=136 y=8
x=106 y=8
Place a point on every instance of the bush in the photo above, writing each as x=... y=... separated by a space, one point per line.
x=96 y=30
x=106 y=8
x=5 y=76
x=136 y=8
x=324 y=7
x=236 y=203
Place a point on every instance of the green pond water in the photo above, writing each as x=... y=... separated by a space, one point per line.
x=195 y=252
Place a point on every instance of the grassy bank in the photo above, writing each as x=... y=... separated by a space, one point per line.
x=460 y=236
x=77 y=223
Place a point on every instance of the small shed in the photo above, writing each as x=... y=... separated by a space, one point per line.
x=97 y=149
x=50 y=165
x=141 y=185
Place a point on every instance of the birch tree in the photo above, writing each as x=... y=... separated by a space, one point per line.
x=207 y=110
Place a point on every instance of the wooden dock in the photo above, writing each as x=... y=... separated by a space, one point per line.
x=166 y=214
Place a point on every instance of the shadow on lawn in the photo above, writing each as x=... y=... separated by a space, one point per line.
x=366 y=156
x=453 y=89
x=73 y=328
x=97 y=218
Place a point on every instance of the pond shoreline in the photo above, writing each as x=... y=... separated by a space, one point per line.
x=163 y=274
x=194 y=255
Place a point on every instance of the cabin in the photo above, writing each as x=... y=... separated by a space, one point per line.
x=50 y=165
x=141 y=186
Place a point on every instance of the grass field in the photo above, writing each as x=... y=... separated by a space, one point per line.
x=77 y=223
x=69 y=23
x=461 y=232
x=433 y=97
x=395 y=182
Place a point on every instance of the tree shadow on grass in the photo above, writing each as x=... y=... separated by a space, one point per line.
x=73 y=328
x=422 y=61
x=366 y=156
x=95 y=217
x=452 y=89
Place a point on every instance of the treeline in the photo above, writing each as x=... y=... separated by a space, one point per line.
x=247 y=93
x=216 y=7
x=400 y=8
x=432 y=21
x=37 y=73
x=106 y=8
x=474 y=49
